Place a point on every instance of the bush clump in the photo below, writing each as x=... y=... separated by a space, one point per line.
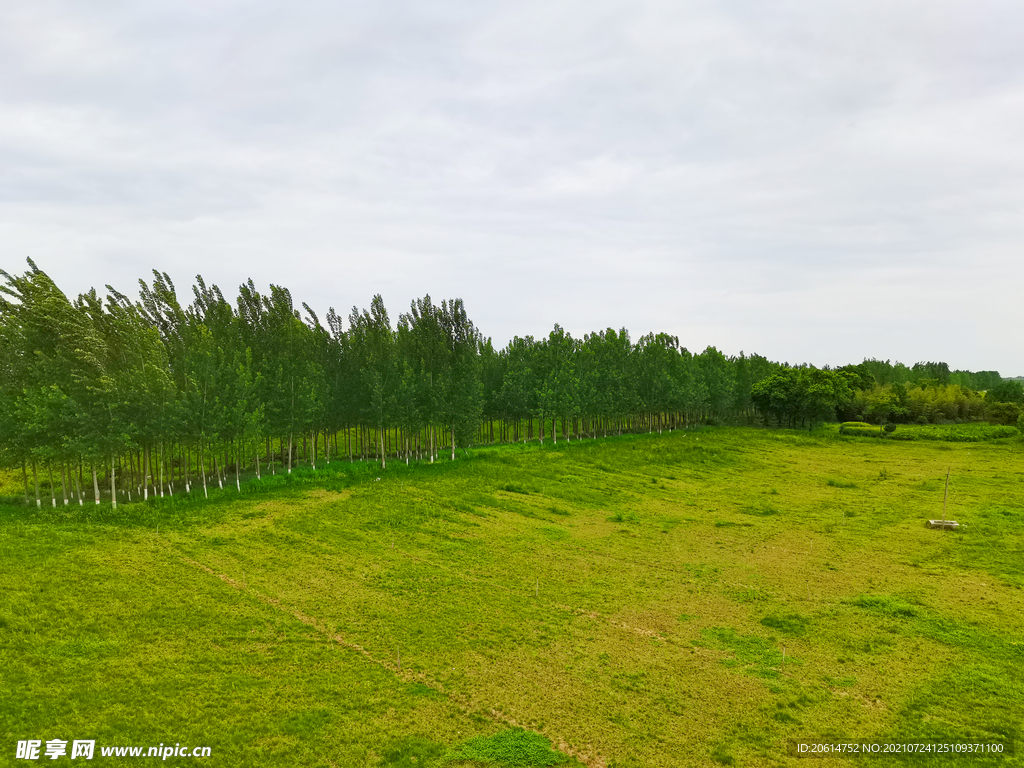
x=957 y=433
x=859 y=428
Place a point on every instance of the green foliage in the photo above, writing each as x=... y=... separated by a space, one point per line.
x=924 y=403
x=859 y=376
x=951 y=433
x=803 y=395
x=1008 y=391
x=859 y=428
x=1003 y=413
x=956 y=433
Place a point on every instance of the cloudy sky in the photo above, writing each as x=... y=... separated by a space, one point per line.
x=812 y=181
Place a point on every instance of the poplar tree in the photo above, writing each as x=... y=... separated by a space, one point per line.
x=424 y=350
x=374 y=346
x=656 y=358
x=461 y=391
x=517 y=396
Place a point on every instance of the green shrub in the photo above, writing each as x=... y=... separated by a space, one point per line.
x=859 y=428
x=956 y=433
x=1003 y=413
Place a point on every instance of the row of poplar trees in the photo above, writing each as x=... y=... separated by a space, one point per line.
x=113 y=397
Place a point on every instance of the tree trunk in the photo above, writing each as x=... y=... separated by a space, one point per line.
x=113 y=484
x=24 y=475
x=453 y=441
x=95 y=485
x=35 y=479
x=289 y=451
x=148 y=474
x=140 y=478
x=202 y=470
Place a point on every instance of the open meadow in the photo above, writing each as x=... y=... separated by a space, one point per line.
x=695 y=598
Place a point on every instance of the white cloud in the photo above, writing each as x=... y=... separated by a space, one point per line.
x=723 y=173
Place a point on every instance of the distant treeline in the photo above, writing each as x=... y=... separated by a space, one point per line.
x=880 y=393
x=155 y=395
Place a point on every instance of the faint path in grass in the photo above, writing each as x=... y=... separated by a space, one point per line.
x=461 y=700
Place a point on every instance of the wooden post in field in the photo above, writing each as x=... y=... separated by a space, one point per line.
x=945 y=496
x=945 y=523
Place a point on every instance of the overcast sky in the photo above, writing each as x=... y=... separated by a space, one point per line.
x=812 y=181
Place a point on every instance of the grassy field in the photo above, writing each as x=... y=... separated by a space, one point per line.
x=700 y=598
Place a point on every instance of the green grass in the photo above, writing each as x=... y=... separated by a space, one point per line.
x=693 y=598
x=512 y=747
